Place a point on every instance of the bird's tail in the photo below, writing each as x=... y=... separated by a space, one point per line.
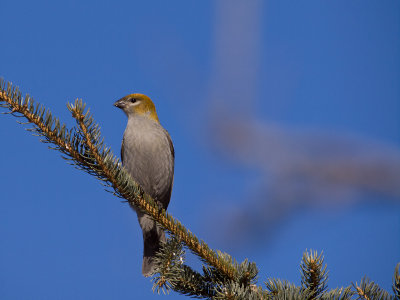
x=153 y=236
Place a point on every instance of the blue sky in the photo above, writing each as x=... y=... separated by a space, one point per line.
x=285 y=117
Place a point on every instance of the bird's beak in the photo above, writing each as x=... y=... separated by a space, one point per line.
x=120 y=103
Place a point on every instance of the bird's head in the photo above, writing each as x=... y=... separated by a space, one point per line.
x=138 y=104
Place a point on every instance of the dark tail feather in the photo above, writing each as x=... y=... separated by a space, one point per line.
x=152 y=240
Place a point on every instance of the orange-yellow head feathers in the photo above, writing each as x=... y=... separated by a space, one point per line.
x=138 y=104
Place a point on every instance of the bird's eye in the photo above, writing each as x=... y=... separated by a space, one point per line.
x=133 y=100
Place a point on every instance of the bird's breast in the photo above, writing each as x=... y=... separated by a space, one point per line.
x=148 y=158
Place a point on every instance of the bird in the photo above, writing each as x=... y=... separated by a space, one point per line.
x=147 y=153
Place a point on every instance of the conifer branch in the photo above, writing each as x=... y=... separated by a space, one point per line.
x=313 y=274
x=66 y=141
x=279 y=289
x=361 y=293
x=369 y=290
x=170 y=263
x=338 y=294
x=212 y=284
x=174 y=274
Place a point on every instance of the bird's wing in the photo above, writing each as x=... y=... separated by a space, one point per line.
x=122 y=151
x=171 y=147
x=169 y=192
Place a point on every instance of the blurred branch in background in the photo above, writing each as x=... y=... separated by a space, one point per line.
x=296 y=167
x=302 y=169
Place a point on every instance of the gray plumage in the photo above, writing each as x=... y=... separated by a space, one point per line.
x=148 y=155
